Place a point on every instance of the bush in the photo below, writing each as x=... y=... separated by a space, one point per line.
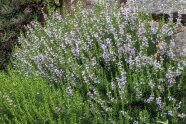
x=121 y=62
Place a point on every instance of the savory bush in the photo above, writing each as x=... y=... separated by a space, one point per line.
x=121 y=62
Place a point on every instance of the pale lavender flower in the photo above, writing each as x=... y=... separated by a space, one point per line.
x=93 y=62
x=123 y=113
x=170 y=33
x=165 y=28
x=129 y=38
x=121 y=81
x=161 y=89
x=171 y=54
x=121 y=31
x=113 y=86
x=150 y=99
x=76 y=52
x=135 y=122
x=159 y=103
x=178 y=106
x=162 y=48
x=170 y=16
x=154 y=27
x=108 y=19
x=170 y=98
x=69 y=91
x=170 y=113
x=142 y=29
x=131 y=51
x=107 y=42
x=151 y=84
x=145 y=42
x=157 y=65
x=170 y=77
x=182 y=115
x=130 y=61
x=95 y=92
x=103 y=46
x=138 y=93
x=57 y=109
x=161 y=80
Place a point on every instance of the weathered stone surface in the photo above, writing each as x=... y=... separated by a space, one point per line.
x=180 y=41
x=159 y=6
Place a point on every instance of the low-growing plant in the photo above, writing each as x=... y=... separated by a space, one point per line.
x=26 y=99
x=121 y=63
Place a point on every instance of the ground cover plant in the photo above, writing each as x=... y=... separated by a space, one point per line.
x=30 y=100
x=106 y=65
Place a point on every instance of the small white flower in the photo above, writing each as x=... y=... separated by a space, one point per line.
x=69 y=91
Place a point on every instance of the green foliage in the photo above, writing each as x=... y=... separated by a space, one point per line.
x=31 y=100
x=14 y=15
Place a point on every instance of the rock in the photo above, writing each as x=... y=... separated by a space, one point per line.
x=180 y=42
x=160 y=6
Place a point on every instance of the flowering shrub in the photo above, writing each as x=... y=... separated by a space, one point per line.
x=120 y=61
